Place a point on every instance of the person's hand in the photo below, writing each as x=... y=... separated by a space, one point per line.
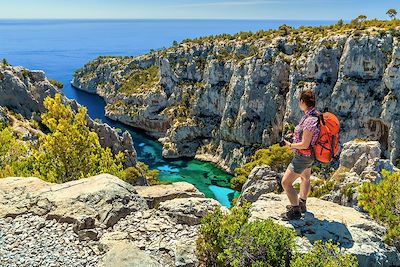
x=288 y=144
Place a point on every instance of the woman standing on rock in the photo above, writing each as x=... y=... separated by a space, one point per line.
x=304 y=137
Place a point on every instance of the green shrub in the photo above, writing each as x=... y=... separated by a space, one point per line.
x=68 y=152
x=57 y=83
x=4 y=62
x=323 y=170
x=229 y=240
x=141 y=80
x=25 y=73
x=275 y=156
x=321 y=188
x=71 y=150
x=14 y=158
x=324 y=255
x=382 y=202
x=152 y=176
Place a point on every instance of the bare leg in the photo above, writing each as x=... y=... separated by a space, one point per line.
x=305 y=185
x=287 y=183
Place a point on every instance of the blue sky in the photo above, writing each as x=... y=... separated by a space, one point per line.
x=215 y=9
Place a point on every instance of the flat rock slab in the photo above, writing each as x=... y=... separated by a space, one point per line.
x=101 y=199
x=123 y=253
x=189 y=210
x=159 y=193
x=355 y=231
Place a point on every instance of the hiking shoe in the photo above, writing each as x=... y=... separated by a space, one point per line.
x=302 y=205
x=293 y=213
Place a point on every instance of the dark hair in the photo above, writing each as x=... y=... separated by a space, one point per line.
x=308 y=98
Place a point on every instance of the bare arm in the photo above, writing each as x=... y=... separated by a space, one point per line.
x=305 y=141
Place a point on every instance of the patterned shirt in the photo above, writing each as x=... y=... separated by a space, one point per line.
x=309 y=122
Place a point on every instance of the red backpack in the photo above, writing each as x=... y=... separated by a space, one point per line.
x=327 y=144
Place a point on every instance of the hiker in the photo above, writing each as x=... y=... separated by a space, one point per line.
x=305 y=135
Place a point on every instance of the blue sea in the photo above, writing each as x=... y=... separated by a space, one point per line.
x=61 y=46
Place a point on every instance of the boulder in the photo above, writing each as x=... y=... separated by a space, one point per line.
x=355 y=231
x=261 y=180
x=189 y=210
x=355 y=154
x=97 y=200
x=373 y=172
x=359 y=163
x=159 y=193
x=122 y=252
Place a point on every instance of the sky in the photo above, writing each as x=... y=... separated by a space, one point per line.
x=190 y=9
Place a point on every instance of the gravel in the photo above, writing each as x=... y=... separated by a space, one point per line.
x=30 y=240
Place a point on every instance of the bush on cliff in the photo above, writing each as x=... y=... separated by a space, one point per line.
x=141 y=81
x=275 y=156
x=68 y=152
x=14 y=159
x=229 y=240
x=57 y=83
x=382 y=202
x=324 y=254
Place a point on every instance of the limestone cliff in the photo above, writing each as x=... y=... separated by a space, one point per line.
x=219 y=97
x=23 y=92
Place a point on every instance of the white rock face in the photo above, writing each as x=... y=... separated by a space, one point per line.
x=233 y=104
x=325 y=220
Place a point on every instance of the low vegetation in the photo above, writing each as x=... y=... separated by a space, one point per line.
x=57 y=83
x=358 y=24
x=382 y=202
x=231 y=240
x=140 y=81
x=69 y=151
x=324 y=254
x=275 y=156
x=4 y=62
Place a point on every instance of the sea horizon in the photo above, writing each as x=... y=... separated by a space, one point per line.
x=173 y=19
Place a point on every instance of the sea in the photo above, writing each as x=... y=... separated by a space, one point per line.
x=59 y=47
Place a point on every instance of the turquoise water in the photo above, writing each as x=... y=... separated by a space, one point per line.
x=61 y=46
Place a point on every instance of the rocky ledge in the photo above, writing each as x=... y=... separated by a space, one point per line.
x=103 y=221
x=324 y=220
x=100 y=220
x=327 y=217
